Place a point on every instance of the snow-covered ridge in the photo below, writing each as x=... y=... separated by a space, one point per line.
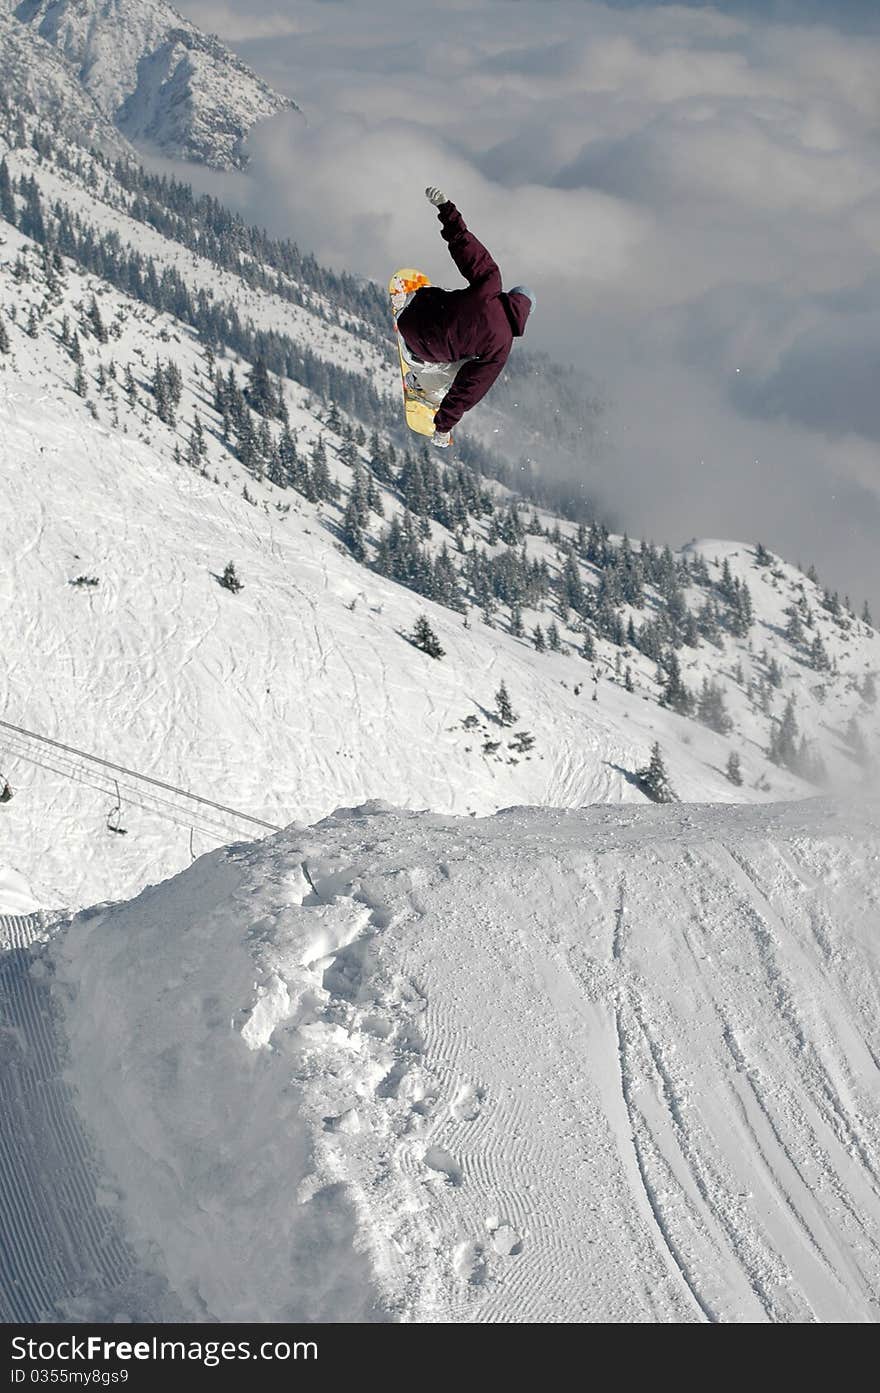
x=158 y=77
x=36 y=76
x=610 y=1065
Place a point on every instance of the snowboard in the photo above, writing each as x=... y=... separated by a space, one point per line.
x=419 y=408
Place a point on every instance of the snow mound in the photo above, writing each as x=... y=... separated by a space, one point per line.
x=608 y=1065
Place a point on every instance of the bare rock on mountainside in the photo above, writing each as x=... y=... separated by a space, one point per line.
x=36 y=77
x=156 y=76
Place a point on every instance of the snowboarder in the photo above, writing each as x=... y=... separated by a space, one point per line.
x=474 y=328
x=5 y=790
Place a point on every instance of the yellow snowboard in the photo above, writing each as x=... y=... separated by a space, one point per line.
x=420 y=412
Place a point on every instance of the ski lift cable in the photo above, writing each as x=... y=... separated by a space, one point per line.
x=178 y=817
x=146 y=778
x=148 y=802
x=73 y=770
x=169 y=812
x=70 y=769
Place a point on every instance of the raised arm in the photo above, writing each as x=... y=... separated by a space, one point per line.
x=470 y=256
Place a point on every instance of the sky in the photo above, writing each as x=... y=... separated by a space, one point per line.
x=692 y=190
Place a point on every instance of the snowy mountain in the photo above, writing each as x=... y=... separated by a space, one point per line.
x=37 y=78
x=610 y=1065
x=155 y=75
x=138 y=462
x=480 y=1034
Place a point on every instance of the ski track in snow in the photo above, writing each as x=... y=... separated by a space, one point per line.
x=716 y=1255
x=63 y=1256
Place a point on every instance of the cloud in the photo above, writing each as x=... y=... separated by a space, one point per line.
x=234 y=25
x=361 y=193
x=694 y=192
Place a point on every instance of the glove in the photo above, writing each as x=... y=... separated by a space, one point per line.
x=435 y=196
x=442 y=439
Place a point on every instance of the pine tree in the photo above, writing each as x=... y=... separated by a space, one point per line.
x=762 y=555
x=819 y=660
x=690 y=631
x=96 y=322
x=742 y=612
x=726 y=584
x=322 y=483
x=356 y=515
x=262 y=394
x=374 y=497
x=628 y=679
x=31 y=222
x=130 y=386
x=506 y=715
x=654 y=780
x=7 y=201
x=708 y=623
x=164 y=405
x=783 y=749
x=733 y=770
x=538 y=639
x=866 y=614
x=553 y=640
x=32 y=329
x=588 y=646
x=869 y=689
x=571 y=586
x=80 y=382
x=424 y=638
x=229 y=580
x=675 y=694
x=711 y=709
x=4 y=334
x=173 y=383
x=196 y=449
x=522 y=742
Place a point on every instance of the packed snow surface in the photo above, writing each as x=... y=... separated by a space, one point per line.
x=617 y=1064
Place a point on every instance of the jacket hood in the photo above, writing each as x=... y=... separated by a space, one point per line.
x=517 y=307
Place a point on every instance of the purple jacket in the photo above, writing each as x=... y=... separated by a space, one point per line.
x=442 y=326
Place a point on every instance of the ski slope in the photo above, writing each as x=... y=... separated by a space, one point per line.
x=618 y=1064
x=291 y=698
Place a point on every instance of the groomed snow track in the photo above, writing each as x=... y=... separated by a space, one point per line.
x=61 y=1255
